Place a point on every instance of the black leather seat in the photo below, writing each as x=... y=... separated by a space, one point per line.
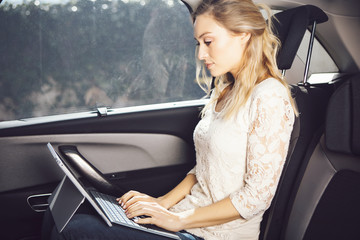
x=326 y=201
x=308 y=127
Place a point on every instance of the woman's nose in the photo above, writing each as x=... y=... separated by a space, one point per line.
x=202 y=54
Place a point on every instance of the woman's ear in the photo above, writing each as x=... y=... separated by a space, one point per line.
x=244 y=37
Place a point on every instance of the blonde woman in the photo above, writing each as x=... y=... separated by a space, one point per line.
x=241 y=141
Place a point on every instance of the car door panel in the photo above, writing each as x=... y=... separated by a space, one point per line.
x=109 y=153
x=149 y=151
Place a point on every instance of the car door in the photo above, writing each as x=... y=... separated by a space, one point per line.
x=113 y=80
x=148 y=151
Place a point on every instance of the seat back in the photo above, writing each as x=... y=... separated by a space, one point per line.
x=290 y=26
x=308 y=127
x=326 y=201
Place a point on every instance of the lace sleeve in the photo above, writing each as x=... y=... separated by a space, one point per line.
x=271 y=122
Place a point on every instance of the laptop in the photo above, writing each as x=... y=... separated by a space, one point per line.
x=71 y=193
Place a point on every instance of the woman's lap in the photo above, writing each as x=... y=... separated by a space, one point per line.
x=87 y=226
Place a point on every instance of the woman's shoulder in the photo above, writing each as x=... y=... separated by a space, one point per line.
x=270 y=87
x=271 y=95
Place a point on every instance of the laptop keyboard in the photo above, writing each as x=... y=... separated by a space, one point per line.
x=112 y=208
x=117 y=214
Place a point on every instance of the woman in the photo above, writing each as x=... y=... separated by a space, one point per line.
x=241 y=141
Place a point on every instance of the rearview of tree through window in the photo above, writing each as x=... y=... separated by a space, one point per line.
x=69 y=56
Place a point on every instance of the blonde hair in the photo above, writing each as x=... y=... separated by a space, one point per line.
x=259 y=58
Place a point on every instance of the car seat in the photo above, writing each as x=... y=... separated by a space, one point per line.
x=326 y=201
x=311 y=101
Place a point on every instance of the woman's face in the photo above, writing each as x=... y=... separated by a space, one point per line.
x=220 y=50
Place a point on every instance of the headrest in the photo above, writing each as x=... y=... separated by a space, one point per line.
x=342 y=129
x=290 y=28
x=191 y=4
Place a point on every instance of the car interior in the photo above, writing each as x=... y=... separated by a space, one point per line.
x=150 y=148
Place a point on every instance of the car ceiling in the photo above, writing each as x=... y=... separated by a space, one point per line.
x=340 y=35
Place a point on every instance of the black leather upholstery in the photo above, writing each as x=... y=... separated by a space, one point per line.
x=343 y=118
x=290 y=26
x=324 y=203
x=312 y=102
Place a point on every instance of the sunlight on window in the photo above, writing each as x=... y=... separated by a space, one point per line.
x=170 y=3
x=76 y=55
x=104 y=6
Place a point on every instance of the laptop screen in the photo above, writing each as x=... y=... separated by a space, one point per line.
x=70 y=191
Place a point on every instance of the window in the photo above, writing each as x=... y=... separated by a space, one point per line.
x=68 y=56
x=320 y=63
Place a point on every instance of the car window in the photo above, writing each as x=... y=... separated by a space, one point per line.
x=321 y=63
x=68 y=56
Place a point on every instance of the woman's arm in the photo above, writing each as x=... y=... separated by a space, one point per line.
x=179 y=192
x=166 y=201
x=214 y=214
x=269 y=134
x=218 y=213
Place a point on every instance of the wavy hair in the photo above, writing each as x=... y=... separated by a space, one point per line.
x=259 y=58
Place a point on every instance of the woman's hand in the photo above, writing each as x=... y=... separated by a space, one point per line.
x=131 y=197
x=138 y=204
x=154 y=214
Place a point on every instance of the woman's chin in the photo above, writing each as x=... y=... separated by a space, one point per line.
x=216 y=73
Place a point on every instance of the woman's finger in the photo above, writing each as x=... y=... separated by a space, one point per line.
x=155 y=214
x=146 y=220
x=136 y=207
x=124 y=198
x=150 y=209
x=140 y=210
x=133 y=200
x=134 y=197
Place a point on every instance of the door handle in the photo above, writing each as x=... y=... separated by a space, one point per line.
x=39 y=202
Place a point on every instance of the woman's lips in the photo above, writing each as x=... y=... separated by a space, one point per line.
x=209 y=65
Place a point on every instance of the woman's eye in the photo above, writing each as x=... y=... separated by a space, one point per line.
x=207 y=43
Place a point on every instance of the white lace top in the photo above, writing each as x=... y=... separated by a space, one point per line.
x=241 y=158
